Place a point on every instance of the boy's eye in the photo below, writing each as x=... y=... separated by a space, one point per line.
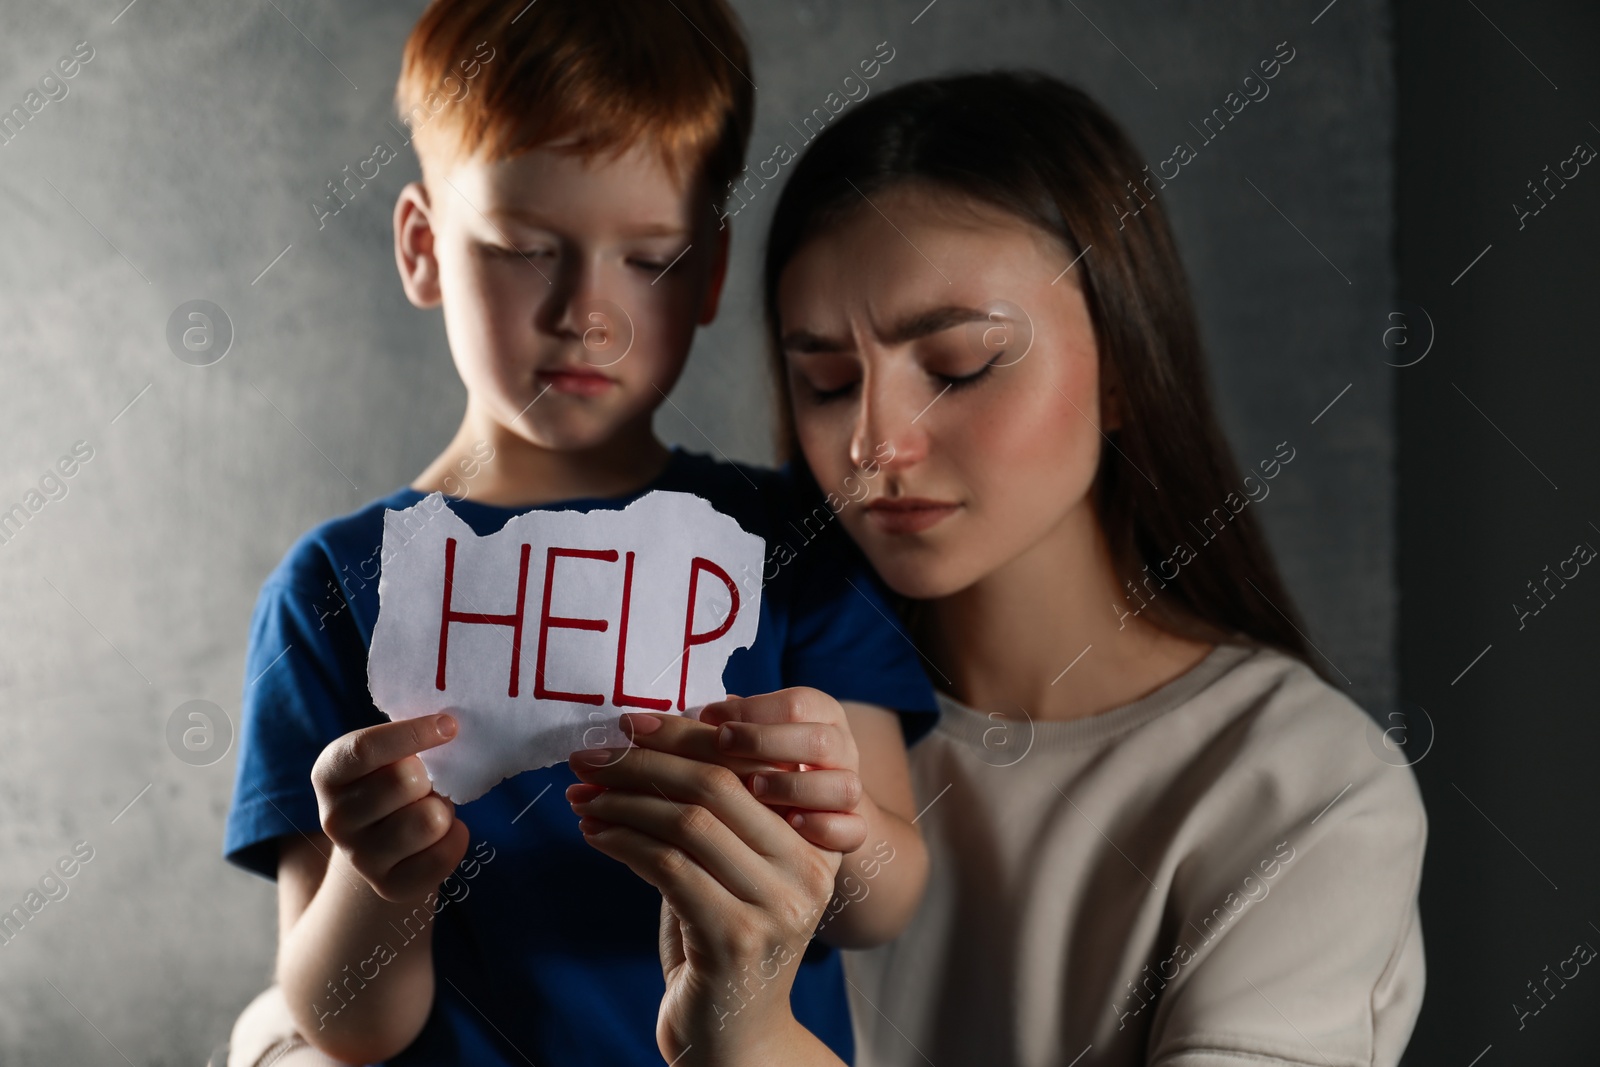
x=657 y=265
x=520 y=253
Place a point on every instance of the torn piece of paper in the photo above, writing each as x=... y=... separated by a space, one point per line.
x=539 y=635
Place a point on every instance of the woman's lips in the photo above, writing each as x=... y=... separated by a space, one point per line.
x=576 y=381
x=909 y=515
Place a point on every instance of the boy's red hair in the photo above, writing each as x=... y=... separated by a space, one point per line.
x=490 y=79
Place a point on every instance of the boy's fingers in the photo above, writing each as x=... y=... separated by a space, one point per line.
x=412 y=830
x=363 y=751
x=818 y=790
x=375 y=796
x=422 y=872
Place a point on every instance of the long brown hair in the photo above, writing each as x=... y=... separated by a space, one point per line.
x=1047 y=153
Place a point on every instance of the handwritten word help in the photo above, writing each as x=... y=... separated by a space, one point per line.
x=524 y=633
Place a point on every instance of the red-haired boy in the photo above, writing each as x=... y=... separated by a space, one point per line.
x=574 y=157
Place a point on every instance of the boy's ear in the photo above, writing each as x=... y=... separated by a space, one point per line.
x=719 y=274
x=413 y=246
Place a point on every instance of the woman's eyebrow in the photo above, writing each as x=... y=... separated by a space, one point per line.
x=910 y=328
x=935 y=320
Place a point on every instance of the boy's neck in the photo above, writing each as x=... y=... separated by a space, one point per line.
x=519 y=473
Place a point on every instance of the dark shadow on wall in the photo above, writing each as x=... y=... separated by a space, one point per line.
x=1499 y=484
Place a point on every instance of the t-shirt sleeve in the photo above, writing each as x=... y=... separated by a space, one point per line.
x=1309 y=951
x=304 y=685
x=844 y=639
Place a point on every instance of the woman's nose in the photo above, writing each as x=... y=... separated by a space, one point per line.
x=889 y=429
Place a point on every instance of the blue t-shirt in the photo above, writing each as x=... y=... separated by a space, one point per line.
x=545 y=950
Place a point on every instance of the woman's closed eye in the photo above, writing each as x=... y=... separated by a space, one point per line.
x=821 y=387
x=821 y=392
x=960 y=381
x=822 y=375
x=953 y=366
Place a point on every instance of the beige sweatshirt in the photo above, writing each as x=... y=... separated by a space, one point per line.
x=1220 y=874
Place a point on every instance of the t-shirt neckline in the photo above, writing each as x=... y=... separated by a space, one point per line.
x=973 y=727
x=676 y=457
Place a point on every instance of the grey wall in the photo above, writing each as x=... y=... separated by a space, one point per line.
x=182 y=164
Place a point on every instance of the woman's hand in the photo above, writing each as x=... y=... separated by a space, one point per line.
x=805 y=734
x=742 y=892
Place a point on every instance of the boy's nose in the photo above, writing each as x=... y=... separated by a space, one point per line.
x=578 y=290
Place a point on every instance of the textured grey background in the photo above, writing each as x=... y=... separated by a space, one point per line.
x=183 y=162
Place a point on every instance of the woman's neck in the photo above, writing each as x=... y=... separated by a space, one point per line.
x=1045 y=635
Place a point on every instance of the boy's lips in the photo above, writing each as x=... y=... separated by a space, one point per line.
x=578 y=381
x=908 y=515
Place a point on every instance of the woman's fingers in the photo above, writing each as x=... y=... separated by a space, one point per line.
x=833 y=830
x=684 y=737
x=817 y=790
x=690 y=828
x=815 y=744
x=688 y=888
x=795 y=726
x=716 y=713
x=795 y=704
x=689 y=781
x=710 y=907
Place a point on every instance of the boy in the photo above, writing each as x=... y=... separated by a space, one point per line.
x=574 y=158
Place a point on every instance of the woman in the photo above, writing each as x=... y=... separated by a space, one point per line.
x=1156 y=834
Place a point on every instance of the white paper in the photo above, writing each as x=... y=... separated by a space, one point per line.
x=513 y=717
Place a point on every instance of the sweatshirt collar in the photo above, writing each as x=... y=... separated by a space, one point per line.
x=988 y=730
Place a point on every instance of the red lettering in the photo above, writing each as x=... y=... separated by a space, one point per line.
x=546 y=621
x=513 y=620
x=618 y=697
x=690 y=638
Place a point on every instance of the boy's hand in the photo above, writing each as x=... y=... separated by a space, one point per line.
x=377 y=804
x=798 y=728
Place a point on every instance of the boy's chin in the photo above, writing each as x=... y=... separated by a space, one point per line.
x=572 y=431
